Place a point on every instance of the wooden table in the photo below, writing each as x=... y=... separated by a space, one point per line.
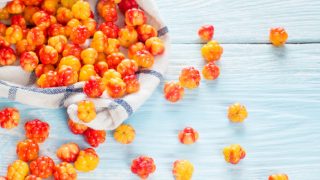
x=279 y=86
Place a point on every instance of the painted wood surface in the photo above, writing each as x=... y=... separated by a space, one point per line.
x=242 y=21
x=279 y=86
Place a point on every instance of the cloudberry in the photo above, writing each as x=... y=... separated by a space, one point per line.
x=18 y=170
x=99 y=41
x=73 y=23
x=100 y=68
x=3 y=29
x=234 y=153
x=32 y=177
x=206 y=32
x=79 y=34
x=237 y=113
x=134 y=48
x=135 y=17
x=91 y=25
x=48 y=55
x=41 y=19
x=155 y=45
x=50 y=6
x=110 y=29
x=101 y=57
x=132 y=84
x=19 y=21
x=188 y=135
x=173 y=91
x=86 y=72
x=4 y=14
x=127 y=67
x=81 y=10
x=48 y=79
x=93 y=87
x=76 y=128
x=28 y=13
x=37 y=130
x=14 y=34
x=67 y=76
x=23 y=46
x=55 y=30
x=144 y=59
x=89 y=56
x=278 y=177
x=68 y=3
x=113 y=46
x=58 y=42
x=212 y=51
x=95 y=137
x=182 y=170
x=190 y=78
x=42 y=69
x=124 y=134
x=9 y=118
x=42 y=167
x=15 y=7
x=72 y=49
x=64 y=15
x=65 y=171
x=109 y=12
x=114 y=59
x=86 y=111
x=116 y=88
x=7 y=56
x=278 y=36
x=127 y=36
x=29 y=61
x=125 y=5
x=68 y=152
x=71 y=61
x=27 y=150
x=146 y=32
x=4 y=42
x=87 y=160
x=143 y=166
x=32 y=2
x=211 y=71
x=111 y=73
x=36 y=36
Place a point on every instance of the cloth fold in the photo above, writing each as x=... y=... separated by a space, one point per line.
x=18 y=85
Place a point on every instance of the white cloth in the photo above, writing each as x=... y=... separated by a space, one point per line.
x=18 y=85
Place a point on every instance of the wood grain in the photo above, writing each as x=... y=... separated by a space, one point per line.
x=242 y=21
x=279 y=86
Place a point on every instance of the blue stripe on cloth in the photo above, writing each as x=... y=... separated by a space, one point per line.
x=163 y=31
x=152 y=72
x=125 y=105
x=57 y=90
x=12 y=93
x=67 y=94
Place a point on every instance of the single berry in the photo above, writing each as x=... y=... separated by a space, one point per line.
x=27 y=150
x=278 y=177
x=124 y=134
x=211 y=71
x=109 y=29
x=155 y=45
x=87 y=160
x=71 y=61
x=89 y=56
x=81 y=10
x=7 y=56
x=36 y=36
x=93 y=87
x=125 y=5
x=37 y=130
x=143 y=166
x=190 y=78
x=29 y=61
x=135 y=17
x=42 y=69
x=58 y=42
x=86 y=111
x=101 y=67
x=68 y=152
x=182 y=170
x=95 y=137
x=48 y=79
x=41 y=19
x=188 y=136
x=42 y=167
x=86 y=72
x=18 y=170
x=9 y=118
x=237 y=113
x=115 y=59
x=146 y=32
x=173 y=91
x=113 y=46
x=132 y=84
x=76 y=128
x=48 y=55
x=144 y=59
x=127 y=67
x=134 y=48
x=206 y=32
x=67 y=76
x=234 y=153
x=127 y=36
x=212 y=51
x=278 y=36
x=65 y=171
x=116 y=88
x=99 y=41
x=79 y=34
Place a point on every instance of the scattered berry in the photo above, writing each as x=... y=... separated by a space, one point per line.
x=237 y=113
x=211 y=71
x=27 y=150
x=212 y=51
x=173 y=91
x=155 y=45
x=190 y=78
x=278 y=36
x=86 y=111
x=50 y=6
x=65 y=171
x=188 y=136
x=42 y=167
x=64 y=15
x=37 y=130
x=234 y=153
x=143 y=166
x=108 y=12
x=278 y=177
x=95 y=137
x=68 y=152
x=182 y=170
x=87 y=160
x=76 y=128
x=124 y=134
x=18 y=170
x=9 y=118
x=206 y=32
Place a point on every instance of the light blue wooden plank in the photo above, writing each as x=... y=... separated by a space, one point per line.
x=242 y=21
x=279 y=86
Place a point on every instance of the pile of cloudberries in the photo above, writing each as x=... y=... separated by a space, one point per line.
x=63 y=44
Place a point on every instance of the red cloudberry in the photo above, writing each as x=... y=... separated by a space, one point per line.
x=9 y=118
x=42 y=167
x=127 y=67
x=7 y=56
x=95 y=137
x=110 y=29
x=173 y=91
x=93 y=87
x=143 y=166
x=125 y=5
x=29 y=61
x=76 y=128
x=79 y=34
x=27 y=150
x=68 y=152
x=48 y=55
x=132 y=84
x=37 y=130
x=190 y=78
